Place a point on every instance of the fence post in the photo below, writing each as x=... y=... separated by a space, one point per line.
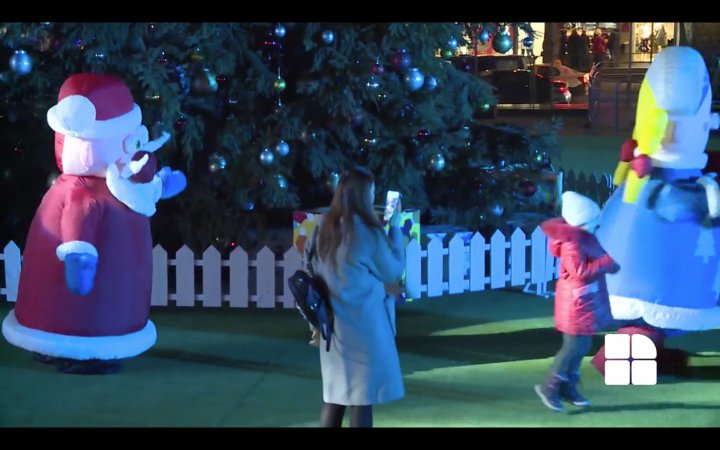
x=185 y=277
x=239 y=277
x=413 y=269
x=435 y=267
x=160 y=277
x=518 y=271
x=292 y=261
x=477 y=263
x=211 y=275
x=265 y=276
x=456 y=265
x=498 y=265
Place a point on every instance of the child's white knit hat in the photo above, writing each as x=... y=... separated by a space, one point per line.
x=577 y=209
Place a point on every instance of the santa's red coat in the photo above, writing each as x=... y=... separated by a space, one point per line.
x=78 y=208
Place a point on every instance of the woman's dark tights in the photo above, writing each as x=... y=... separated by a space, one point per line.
x=332 y=416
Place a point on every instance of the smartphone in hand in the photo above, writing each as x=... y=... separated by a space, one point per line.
x=391 y=204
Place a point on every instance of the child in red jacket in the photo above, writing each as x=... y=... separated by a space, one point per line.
x=582 y=307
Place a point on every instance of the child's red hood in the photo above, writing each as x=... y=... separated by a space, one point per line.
x=560 y=232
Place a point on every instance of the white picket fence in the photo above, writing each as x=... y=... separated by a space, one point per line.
x=262 y=281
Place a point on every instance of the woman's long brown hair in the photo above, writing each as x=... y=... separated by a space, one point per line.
x=352 y=197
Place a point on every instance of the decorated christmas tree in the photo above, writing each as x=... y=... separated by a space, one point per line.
x=265 y=117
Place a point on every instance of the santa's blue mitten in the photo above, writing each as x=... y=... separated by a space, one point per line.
x=173 y=182
x=80 y=271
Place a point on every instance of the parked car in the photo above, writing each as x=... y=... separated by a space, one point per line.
x=514 y=80
x=577 y=82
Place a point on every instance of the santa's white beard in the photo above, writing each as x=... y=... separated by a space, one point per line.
x=140 y=197
x=88 y=157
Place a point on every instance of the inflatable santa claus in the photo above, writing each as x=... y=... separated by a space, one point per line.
x=662 y=225
x=84 y=295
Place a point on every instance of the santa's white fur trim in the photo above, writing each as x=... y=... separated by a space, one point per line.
x=662 y=316
x=66 y=248
x=78 y=347
x=140 y=197
x=75 y=116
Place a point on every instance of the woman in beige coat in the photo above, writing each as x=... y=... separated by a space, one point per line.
x=356 y=259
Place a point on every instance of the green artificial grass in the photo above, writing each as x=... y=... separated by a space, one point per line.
x=468 y=361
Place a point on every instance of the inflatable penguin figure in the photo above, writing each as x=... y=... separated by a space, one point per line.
x=84 y=296
x=662 y=225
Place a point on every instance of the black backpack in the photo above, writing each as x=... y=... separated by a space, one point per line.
x=312 y=297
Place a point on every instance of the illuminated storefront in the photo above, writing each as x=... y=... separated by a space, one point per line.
x=627 y=43
x=631 y=42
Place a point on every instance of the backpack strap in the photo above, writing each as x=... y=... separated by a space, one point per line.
x=311 y=252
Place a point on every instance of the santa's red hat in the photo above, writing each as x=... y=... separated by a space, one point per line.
x=94 y=106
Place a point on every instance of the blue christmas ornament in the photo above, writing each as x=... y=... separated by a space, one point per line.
x=280 y=30
x=484 y=37
x=502 y=43
x=282 y=148
x=452 y=43
x=430 y=83
x=437 y=162
x=414 y=79
x=21 y=63
x=528 y=41
x=328 y=37
x=266 y=157
x=281 y=181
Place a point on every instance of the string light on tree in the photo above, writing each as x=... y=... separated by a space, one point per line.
x=281 y=181
x=452 y=44
x=373 y=82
